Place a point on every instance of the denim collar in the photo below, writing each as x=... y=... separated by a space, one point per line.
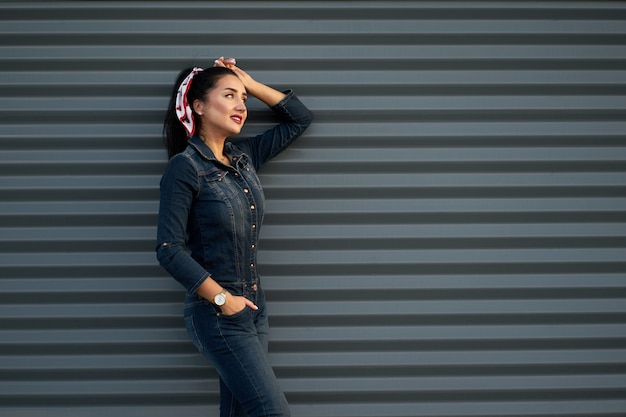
x=232 y=151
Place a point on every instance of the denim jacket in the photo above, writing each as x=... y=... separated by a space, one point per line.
x=210 y=213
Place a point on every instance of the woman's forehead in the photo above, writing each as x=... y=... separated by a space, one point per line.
x=230 y=82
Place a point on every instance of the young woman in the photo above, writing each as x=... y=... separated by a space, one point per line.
x=210 y=214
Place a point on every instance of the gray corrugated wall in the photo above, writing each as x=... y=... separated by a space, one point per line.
x=448 y=239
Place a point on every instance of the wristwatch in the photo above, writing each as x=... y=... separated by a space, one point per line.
x=220 y=299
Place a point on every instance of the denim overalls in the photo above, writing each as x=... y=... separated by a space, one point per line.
x=209 y=220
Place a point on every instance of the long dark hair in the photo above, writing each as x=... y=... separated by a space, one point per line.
x=174 y=133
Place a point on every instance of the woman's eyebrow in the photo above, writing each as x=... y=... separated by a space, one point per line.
x=234 y=90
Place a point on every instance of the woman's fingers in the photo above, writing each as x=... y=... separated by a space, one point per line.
x=225 y=62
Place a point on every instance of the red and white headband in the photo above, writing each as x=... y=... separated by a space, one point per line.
x=183 y=109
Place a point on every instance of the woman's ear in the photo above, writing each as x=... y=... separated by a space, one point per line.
x=198 y=107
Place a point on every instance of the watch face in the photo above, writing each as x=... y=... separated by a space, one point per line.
x=220 y=299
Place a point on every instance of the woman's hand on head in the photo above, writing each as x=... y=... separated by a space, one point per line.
x=266 y=94
x=231 y=63
x=225 y=62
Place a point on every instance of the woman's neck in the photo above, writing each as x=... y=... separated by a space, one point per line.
x=215 y=144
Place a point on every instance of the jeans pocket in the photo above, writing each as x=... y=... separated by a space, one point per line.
x=244 y=314
x=193 y=334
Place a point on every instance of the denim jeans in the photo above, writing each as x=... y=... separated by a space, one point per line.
x=237 y=347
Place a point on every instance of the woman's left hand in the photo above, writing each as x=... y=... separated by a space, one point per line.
x=231 y=63
x=225 y=62
x=259 y=90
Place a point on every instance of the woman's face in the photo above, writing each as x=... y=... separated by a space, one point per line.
x=223 y=111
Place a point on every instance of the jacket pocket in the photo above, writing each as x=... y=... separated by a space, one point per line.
x=219 y=181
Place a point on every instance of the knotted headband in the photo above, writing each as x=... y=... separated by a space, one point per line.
x=183 y=110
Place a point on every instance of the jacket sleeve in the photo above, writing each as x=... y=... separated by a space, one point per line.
x=294 y=118
x=179 y=186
